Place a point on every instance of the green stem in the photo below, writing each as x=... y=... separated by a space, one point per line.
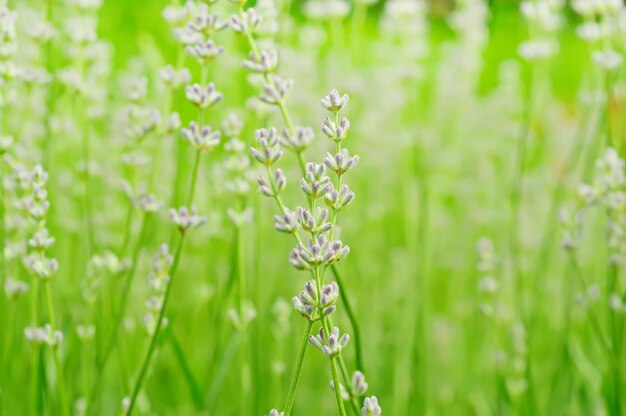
x=352 y=317
x=153 y=340
x=613 y=330
x=55 y=351
x=194 y=388
x=298 y=368
x=301 y=162
x=180 y=152
x=244 y=352
x=194 y=179
x=595 y=323
x=168 y=291
x=289 y=124
x=37 y=390
x=333 y=368
x=119 y=316
x=46 y=149
x=608 y=87
x=86 y=150
x=3 y=299
x=516 y=195
x=127 y=229
x=347 y=383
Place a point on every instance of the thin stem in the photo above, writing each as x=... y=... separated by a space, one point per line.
x=289 y=124
x=194 y=179
x=179 y=173
x=608 y=87
x=291 y=395
x=86 y=150
x=168 y=291
x=613 y=330
x=55 y=351
x=120 y=311
x=127 y=228
x=159 y=324
x=37 y=390
x=516 y=194
x=286 y=117
x=356 y=330
x=241 y=298
x=175 y=197
x=574 y=156
x=194 y=388
x=595 y=323
x=301 y=162
x=346 y=378
x=3 y=276
x=333 y=368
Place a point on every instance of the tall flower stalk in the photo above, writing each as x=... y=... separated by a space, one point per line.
x=42 y=269
x=295 y=138
x=202 y=139
x=317 y=301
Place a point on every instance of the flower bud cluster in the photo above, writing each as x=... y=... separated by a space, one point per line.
x=608 y=190
x=158 y=279
x=330 y=345
x=358 y=387
x=371 y=407
x=544 y=18
x=202 y=139
x=319 y=251
x=241 y=320
x=487 y=285
x=245 y=22
x=89 y=66
x=8 y=41
x=194 y=25
x=313 y=306
x=299 y=140
x=203 y=97
x=14 y=288
x=110 y=263
x=237 y=164
x=43 y=335
x=601 y=25
x=143 y=121
x=517 y=382
x=237 y=161
x=186 y=219
x=570 y=229
x=36 y=261
x=85 y=333
x=268 y=151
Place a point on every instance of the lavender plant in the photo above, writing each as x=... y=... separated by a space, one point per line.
x=139 y=273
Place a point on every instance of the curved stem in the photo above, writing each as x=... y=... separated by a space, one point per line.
x=333 y=368
x=168 y=291
x=346 y=378
x=351 y=317
x=289 y=124
x=153 y=339
x=291 y=395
